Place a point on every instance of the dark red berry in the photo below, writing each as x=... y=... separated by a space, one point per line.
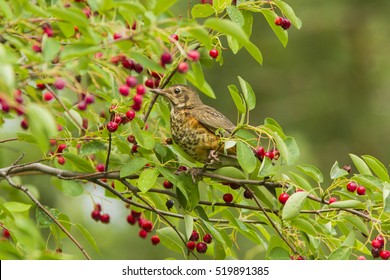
x=100 y=167
x=248 y=194
x=376 y=244
x=352 y=186
x=361 y=190
x=174 y=37
x=269 y=155
x=105 y=218
x=155 y=239
x=97 y=206
x=135 y=214
x=48 y=31
x=381 y=240
x=286 y=23
x=82 y=105
x=142 y=233
x=117 y=36
x=332 y=199
x=140 y=90
x=134 y=149
x=147 y=225
x=36 y=48
x=95 y=215
x=201 y=247
x=112 y=126
x=166 y=58
x=228 y=197
x=194 y=236
x=167 y=184
x=127 y=63
x=131 y=81
x=61 y=160
x=61 y=148
x=136 y=107
x=234 y=186
x=283 y=197
x=191 y=245
x=138 y=99
x=259 y=152
x=208 y=238
x=375 y=252
x=138 y=68
x=131 y=219
x=183 y=67
x=89 y=99
x=6 y=233
x=41 y=86
x=384 y=254
x=24 y=124
x=130 y=114
x=213 y=53
x=124 y=90
x=131 y=139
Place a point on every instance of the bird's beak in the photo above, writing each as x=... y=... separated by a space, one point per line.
x=158 y=91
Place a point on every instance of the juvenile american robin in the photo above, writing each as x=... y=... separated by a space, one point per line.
x=196 y=127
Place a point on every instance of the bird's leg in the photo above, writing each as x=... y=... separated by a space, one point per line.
x=213 y=157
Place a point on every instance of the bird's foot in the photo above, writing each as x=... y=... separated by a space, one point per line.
x=213 y=157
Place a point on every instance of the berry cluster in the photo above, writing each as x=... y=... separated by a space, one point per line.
x=260 y=153
x=97 y=214
x=201 y=246
x=285 y=23
x=377 y=248
x=145 y=225
x=352 y=187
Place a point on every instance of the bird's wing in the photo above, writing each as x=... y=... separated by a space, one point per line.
x=213 y=120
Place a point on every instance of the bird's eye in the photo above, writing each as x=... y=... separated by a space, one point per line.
x=177 y=90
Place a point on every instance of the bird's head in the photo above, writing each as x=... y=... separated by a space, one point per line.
x=180 y=96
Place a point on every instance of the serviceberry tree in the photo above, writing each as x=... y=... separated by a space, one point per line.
x=76 y=76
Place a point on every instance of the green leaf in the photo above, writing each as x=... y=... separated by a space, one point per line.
x=246 y=158
x=282 y=34
x=238 y=101
x=248 y=93
x=348 y=204
x=235 y=15
x=254 y=51
x=294 y=205
x=199 y=33
x=301 y=182
x=147 y=179
x=198 y=73
x=312 y=172
x=377 y=166
x=133 y=166
x=278 y=253
x=368 y=181
x=5 y=10
x=272 y=123
x=88 y=236
x=91 y=148
x=14 y=206
x=80 y=163
x=361 y=166
x=72 y=15
x=205 y=88
x=231 y=172
x=162 y=6
x=50 y=48
x=170 y=239
x=71 y=188
x=276 y=248
x=337 y=172
x=189 y=225
x=341 y=253
x=148 y=140
x=5 y=210
x=146 y=62
x=356 y=222
x=43 y=125
x=386 y=197
x=43 y=220
x=227 y=27
x=293 y=150
x=202 y=10
x=289 y=13
x=78 y=50
x=303 y=225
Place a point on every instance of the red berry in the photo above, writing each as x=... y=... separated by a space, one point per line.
x=286 y=23
x=142 y=233
x=381 y=240
x=194 y=236
x=361 y=258
x=248 y=194
x=95 y=215
x=141 y=90
x=47 y=96
x=61 y=160
x=361 y=190
x=351 y=186
x=228 y=197
x=213 y=53
x=48 y=31
x=61 y=148
x=24 y=124
x=208 y=238
x=100 y=167
x=279 y=21
x=193 y=55
x=138 y=99
x=124 y=90
x=155 y=239
x=138 y=68
x=283 y=197
x=59 y=83
x=147 y=225
x=183 y=67
x=234 y=186
x=36 y=48
x=82 y=105
x=269 y=155
x=384 y=254
x=41 y=86
x=259 y=152
x=112 y=126
x=134 y=149
x=167 y=184
x=117 y=36
x=105 y=218
x=375 y=252
x=130 y=114
x=376 y=244
x=150 y=83
x=6 y=233
x=276 y=153
x=131 y=139
x=332 y=199
x=191 y=245
x=174 y=37
x=166 y=58
x=131 y=81
x=127 y=63
x=97 y=206
x=201 y=247
x=89 y=99
x=135 y=214
x=131 y=219
x=136 y=107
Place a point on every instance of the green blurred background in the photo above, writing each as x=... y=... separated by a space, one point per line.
x=329 y=88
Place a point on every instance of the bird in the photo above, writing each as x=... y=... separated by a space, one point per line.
x=197 y=128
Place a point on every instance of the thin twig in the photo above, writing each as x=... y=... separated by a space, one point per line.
x=108 y=152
